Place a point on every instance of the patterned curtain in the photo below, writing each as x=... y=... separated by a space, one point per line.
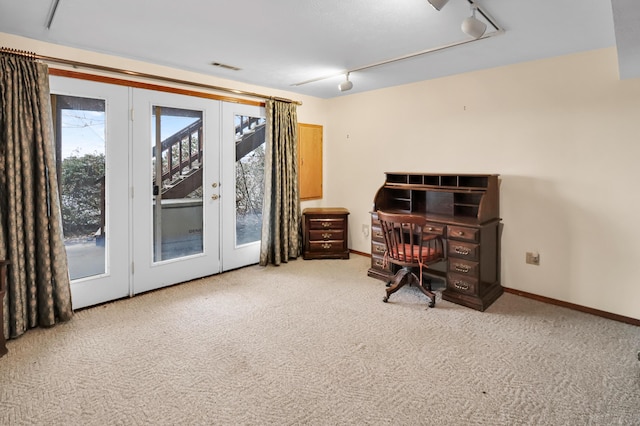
x=281 y=209
x=38 y=291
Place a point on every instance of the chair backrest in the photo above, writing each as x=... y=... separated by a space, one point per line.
x=406 y=242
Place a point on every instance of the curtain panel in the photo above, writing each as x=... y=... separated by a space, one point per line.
x=38 y=288
x=281 y=208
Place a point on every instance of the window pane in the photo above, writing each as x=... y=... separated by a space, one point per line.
x=177 y=187
x=80 y=146
x=250 y=152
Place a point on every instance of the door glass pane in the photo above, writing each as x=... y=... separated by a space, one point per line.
x=177 y=182
x=250 y=152
x=80 y=158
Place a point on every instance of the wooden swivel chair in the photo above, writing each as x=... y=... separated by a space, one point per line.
x=408 y=246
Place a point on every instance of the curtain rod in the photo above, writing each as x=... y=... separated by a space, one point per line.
x=75 y=64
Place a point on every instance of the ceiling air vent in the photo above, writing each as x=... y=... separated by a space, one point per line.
x=225 y=66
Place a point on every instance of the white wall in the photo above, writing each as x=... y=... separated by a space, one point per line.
x=563 y=133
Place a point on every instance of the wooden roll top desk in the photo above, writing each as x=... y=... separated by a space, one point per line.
x=464 y=210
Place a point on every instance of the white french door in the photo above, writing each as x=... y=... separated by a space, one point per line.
x=156 y=188
x=176 y=207
x=92 y=152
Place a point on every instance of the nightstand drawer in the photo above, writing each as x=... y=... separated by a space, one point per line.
x=327 y=223
x=463 y=233
x=326 y=246
x=327 y=234
x=463 y=250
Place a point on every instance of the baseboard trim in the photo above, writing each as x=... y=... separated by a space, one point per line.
x=360 y=253
x=573 y=306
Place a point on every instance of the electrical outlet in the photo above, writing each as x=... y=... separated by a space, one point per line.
x=533 y=258
x=365 y=230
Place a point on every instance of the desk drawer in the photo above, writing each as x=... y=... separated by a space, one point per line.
x=462 y=284
x=463 y=233
x=377 y=262
x=327 y=223
x=327 y=234
x=463 y=250
x=378 y=248
x=434 y=228
x=463 y=267
x=376 y=233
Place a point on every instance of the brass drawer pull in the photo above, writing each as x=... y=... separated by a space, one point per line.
x=380 y=249
x=326 y=245
x=461 y=268
x=379 y=263
x=461 y=285
x=379 y=234
x=430 y=228
x=461 y=250
x=460 y=233
x=326 y=224
x=326 y=235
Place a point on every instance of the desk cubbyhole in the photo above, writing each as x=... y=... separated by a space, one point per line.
x=397 y=178
x=431 y=180
x=449 y=180
x=415 y=179
x=473 y=181
x=418 y=201
x=465 y=211
x=468 y=198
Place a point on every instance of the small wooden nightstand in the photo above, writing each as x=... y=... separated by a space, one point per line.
x=326 y=233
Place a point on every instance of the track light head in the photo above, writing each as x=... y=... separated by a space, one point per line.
x=345 y=85
x=437 y=4
x=472 y=26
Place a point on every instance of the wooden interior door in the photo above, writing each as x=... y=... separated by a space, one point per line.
x=310 y=161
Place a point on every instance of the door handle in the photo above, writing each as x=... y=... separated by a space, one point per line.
x=215 y=196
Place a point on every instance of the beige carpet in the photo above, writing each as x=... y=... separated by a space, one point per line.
x=311 y=342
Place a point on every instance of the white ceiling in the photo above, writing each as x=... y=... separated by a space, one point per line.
x=279 y=43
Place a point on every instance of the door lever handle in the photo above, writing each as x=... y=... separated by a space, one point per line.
x=215 y=196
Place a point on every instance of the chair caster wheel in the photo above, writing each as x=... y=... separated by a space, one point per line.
x=388 y=284
x=432 y=304
x=385 y=300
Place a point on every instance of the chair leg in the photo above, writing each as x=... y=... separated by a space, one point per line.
x=427 y=291
x=400 y=279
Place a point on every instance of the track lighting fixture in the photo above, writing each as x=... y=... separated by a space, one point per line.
x=472 y=26
x=437 y=4
x=345 y=85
